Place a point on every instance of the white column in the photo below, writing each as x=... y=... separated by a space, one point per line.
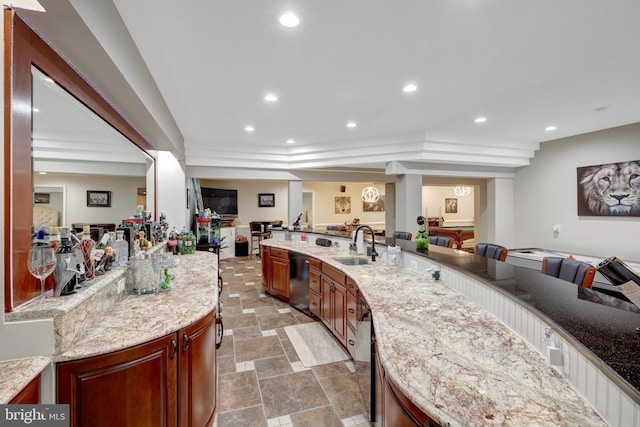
x=497 y=217
x=172 y=190
x=390 y=209
x=408 y=202
x=295 y=200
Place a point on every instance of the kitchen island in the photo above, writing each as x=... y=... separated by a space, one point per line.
x=152 y=356
x=449 y=356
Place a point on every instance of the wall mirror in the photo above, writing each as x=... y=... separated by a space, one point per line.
x=73 y=151
x=90 y=152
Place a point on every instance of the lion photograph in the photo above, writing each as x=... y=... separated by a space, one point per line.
x=609 y=190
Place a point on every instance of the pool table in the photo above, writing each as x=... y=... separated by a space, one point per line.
x=458 y=234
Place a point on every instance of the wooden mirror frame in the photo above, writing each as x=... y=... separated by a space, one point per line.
x=24 y=48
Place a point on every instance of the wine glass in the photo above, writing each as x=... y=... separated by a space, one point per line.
x=41 y=263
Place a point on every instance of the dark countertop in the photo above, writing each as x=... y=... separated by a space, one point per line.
x=603 y=324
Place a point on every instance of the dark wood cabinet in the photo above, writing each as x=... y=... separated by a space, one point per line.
x=265 y=259
x=28 y=395
x=146 y=385
x=279 y=286
x=333 y=302
x=197 y=373
x=379 y=388
x=132 y=387
x=275 y=272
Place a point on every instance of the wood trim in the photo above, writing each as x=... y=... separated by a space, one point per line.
x=23 y=48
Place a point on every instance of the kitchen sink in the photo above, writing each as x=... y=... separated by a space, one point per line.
x=352 y=260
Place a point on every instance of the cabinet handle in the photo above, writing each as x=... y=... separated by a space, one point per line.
x=351 y=342
x=175 y=348
x=350 y=285
x=186 y=341
x=351 y=310
x=314 y=304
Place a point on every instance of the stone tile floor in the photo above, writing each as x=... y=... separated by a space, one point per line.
x=261 y=381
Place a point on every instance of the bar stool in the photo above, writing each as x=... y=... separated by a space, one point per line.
x=257 y=234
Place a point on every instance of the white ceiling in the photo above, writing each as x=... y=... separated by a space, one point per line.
x=524 y=65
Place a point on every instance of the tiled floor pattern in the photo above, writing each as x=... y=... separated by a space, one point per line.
x=261 y=381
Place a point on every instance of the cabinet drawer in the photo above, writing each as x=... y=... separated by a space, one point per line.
x=333 y=273
x=351 y=310
x=315 y=263
x=314 y=281
x=279 y=253
x=314 y=303
x=352 y=287
x=351 y=341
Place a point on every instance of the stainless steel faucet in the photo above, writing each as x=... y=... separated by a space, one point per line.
x=374 y=254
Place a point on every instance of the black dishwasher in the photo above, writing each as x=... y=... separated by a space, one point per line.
x=299 y=282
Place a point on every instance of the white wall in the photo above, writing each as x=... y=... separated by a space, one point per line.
x=248 y=191
x=172 y=190
x=545 y=194
x=123 y=196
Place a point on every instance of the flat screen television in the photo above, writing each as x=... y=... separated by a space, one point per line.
x=222 y=201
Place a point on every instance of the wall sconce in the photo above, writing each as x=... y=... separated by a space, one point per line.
x=370 y=194
x=461 y=191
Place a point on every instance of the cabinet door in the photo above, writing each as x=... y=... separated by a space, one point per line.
x=339 y=312
x=325 y=301
x=266 y=268
x=280 y=278
x=197 y=373
x=132 y=387
x=28 y=395
x=379 y=389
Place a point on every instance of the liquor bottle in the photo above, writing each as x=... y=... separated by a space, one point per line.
x=120 y=250
x=66 y=273
x=87 y=246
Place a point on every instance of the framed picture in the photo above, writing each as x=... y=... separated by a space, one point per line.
x=266 y=200
x=450 y=205
x=343 y=205
x=42 y=198
x=610 y=189
x=100 y=199
x=373 y=206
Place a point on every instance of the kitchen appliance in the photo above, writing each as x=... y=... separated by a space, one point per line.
x=299 y=282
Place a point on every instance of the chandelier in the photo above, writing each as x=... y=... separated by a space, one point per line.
x=461 y=191
x=370 y=194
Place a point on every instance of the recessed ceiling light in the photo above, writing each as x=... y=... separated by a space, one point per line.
x=352 y=125
x=290 y=141
x=480 y=120
x=42 y=173
x=249 y=128
x=289 y=20
x=35 y=110
x=550 y=128
x=410 y=87
x=270 y=97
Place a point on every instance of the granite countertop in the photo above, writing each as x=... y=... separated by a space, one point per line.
x=141 y=318
x=452 y=358
x=103 y=321
x=17 y=374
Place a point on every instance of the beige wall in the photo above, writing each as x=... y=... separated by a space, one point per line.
x=545 y=193
x=123 y=196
